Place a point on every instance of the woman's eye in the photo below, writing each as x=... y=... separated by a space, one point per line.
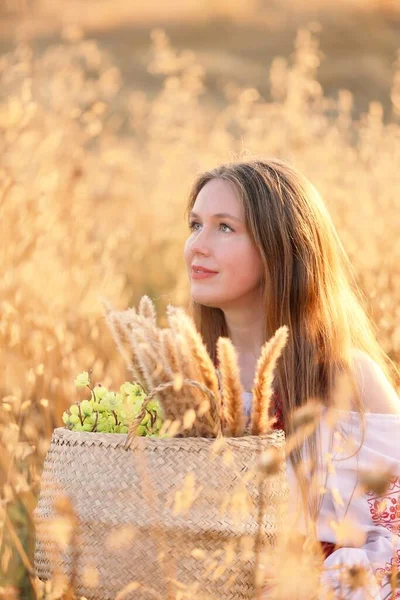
x=192 y=226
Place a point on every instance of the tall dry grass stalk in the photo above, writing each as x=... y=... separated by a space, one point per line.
x=121 y=336
x=147 y=310
x=169 y=352
x=232 y=389
x=261 y=422
x=182 y=335
x=198 y=356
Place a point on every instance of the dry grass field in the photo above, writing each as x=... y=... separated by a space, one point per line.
x=98 y=149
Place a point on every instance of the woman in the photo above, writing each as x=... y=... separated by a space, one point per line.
x=262 y=253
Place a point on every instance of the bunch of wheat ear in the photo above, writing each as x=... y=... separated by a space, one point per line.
x=173 y=363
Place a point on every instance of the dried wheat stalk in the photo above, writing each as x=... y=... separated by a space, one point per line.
x=121 y=335
x=187 y=367
x=261 y=423
x=146 y=343
x=169 y=352
x=122 y=322
x=162 y=357
x=148 y=310
x=169 y=346
x=197 y=359
x=181 y=399
x=107 y=306
x=200 y=354
x=134 y=336
x=232 y=390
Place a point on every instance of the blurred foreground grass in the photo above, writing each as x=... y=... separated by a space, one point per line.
x=92 y=192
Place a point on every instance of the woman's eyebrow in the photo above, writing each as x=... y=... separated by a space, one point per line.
x=219 y=216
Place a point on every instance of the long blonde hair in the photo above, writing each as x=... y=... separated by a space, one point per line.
x=311 y=286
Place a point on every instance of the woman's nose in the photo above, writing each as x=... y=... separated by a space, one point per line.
x=200 y=244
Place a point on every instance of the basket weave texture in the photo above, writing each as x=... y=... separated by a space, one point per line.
x=112 y=489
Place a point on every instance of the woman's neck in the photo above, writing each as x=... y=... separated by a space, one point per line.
x=246 y=331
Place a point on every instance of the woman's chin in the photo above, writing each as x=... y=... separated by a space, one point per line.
x=205 y=299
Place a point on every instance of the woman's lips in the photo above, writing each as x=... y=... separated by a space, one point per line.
x=202 y=275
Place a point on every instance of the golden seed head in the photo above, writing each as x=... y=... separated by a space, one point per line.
x=377 y=480
x=270 y=461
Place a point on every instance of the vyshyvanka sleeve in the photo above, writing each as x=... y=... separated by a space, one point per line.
x=364 y=493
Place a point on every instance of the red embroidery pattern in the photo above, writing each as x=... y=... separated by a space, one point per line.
x=384 y=573
x=385 y=509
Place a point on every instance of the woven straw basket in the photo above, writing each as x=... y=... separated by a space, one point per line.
x=142 y=512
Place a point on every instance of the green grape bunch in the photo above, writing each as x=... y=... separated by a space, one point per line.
x=113 y=412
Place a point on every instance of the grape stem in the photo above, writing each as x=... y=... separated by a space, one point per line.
x=92 y=392
x=80 y=414
x=90 y=386
x=95 y=422
x=140 y=385
x=115 y=416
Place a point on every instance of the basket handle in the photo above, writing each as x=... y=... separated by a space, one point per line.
x=160 y=388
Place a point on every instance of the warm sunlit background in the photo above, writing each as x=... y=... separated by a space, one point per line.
x=107 y=111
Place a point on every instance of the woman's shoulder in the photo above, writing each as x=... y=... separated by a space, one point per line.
x=364 y=440
x=377 y=428
x=377 y=393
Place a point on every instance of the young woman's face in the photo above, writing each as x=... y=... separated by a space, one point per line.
x=223 y=245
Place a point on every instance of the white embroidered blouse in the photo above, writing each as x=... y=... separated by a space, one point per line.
x=377 y=516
